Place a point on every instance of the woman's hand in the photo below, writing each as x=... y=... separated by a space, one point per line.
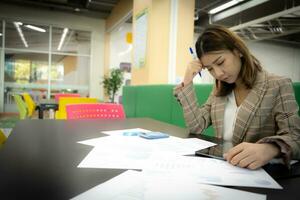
x=251 y=155
x=191 y=71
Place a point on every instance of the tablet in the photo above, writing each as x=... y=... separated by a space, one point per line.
x=207 y=153
x=214 y=151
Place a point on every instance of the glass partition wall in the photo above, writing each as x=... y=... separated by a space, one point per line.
x=1 y=65
x=42 y=60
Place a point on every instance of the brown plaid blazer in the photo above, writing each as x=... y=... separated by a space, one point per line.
x=268 y=114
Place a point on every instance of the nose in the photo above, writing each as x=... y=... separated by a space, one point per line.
x=218 y=73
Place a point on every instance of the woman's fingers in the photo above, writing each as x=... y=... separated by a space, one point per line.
x=242 y=155
x=245 y=162
x=233 y=152
x=254 y=165
x=251 y=155
x=196 y=65
x=192 y=70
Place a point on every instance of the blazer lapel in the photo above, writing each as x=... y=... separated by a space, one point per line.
x=249 y=107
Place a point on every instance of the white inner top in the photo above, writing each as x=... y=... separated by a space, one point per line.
x=230 y=112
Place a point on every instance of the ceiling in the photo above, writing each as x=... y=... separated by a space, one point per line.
x=252 y=19
x=90 y=8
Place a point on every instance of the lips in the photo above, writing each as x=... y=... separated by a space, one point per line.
x=225 y=79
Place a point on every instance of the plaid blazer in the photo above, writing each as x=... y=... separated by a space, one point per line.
x=268 y=114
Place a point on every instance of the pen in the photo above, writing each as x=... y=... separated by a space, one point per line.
x=195 y=58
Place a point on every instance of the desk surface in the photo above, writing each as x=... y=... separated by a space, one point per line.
x=40 y=158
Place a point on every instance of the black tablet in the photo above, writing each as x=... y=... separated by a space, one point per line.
x=214 y=151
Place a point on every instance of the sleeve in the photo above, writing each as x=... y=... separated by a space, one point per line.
x=287 y=137
x=197 y=118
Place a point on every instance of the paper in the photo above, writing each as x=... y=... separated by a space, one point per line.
x=120 y=132
x=132 y=185
x=164 y=158
x=132 y=152
x=208 y=171
x=122 y=152
x=118 y=153
x=95 y=141
x=178 y=146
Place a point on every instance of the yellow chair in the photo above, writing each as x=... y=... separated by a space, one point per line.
x=2 y=137
x=61 y=113
x=4 y=133
x=30 y=104
x=21 y=105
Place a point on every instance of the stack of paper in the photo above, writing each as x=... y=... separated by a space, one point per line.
x=132 y=152
x=166 y=172
x=132 y=185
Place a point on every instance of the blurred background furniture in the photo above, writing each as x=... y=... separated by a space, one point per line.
x=2 y=138
x=63 y=101
x=95 y=111
x=21 y=105
x=50 y=105
x=31 y=105
x=58 y=95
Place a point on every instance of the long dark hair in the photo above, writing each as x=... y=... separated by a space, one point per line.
x=216 y=38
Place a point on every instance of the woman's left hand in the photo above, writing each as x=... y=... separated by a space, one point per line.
x=251 y=155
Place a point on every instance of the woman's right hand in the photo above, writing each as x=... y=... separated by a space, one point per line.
x=193 y=68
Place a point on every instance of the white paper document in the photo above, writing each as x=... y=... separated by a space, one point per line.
x=132 y=152
x=123 y=152
x=117 y=152
x=164 y=158
x=208 y=171
x=178 y=146
x=122 y=131
x=132 y=185
x=95 y=141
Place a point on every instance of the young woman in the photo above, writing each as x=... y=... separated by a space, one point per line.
x=248 y=106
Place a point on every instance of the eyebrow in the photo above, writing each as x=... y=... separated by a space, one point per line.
x=205 y=66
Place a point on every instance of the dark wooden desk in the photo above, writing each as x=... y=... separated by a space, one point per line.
x=46 y=104
x=40 y=158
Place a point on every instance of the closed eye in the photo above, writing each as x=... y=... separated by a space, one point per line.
x=220 y=63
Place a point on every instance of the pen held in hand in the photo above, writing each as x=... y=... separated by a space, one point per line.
x=195 y=58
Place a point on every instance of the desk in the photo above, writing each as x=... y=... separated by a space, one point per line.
x=40 y=157
x=46 y=104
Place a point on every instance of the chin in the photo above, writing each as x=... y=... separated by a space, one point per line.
x=229 y=81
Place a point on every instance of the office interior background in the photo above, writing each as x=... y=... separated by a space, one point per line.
x=51 y=46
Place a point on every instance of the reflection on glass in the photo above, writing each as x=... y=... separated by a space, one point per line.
x=25 y=72
x=70 y=74
x=71 y=41
x=26 y=36
x=1 y=33
x=26 y=61
x=24 y=68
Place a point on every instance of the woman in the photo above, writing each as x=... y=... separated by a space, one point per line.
x=253 y=109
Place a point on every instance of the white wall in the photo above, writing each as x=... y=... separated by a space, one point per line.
x=278 y=57
x=60 y=19
x=120 y=50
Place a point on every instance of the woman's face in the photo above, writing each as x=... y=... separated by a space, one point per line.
x=223 y=65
